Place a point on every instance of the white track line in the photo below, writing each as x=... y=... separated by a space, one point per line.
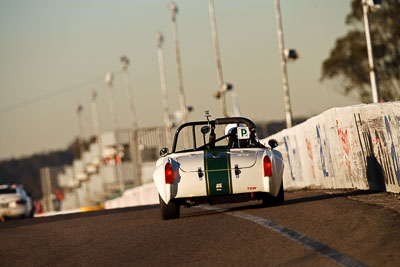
x=318 y=247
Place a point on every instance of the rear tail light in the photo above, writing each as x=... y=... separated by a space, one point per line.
x=21 y=201
x=267 y=166
x=169 y=175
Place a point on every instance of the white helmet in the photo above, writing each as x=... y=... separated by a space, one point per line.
x=229 y=128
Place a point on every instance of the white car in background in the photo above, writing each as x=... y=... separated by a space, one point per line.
x=14 y=202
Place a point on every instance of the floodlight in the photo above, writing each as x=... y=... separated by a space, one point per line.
x=291 y=54
x=109 y=78
x=159 y=37
x=173 y=8
x=227 y=86
x=124 y=61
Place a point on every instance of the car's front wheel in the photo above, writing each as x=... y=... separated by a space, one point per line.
x=170 y=210
x=32 y=213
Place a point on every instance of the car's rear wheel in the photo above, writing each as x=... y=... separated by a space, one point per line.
x=170 y=210
x=269 y=200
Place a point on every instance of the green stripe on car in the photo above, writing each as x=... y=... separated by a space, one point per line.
x=217 y=164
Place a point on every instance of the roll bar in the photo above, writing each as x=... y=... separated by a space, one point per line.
x=218 y=121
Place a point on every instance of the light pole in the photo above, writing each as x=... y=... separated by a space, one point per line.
x=136 y=160
x=367 y=5
x=128 y=85
x=182 y=101
x=163 y=81
x=120 y=175
x=79 y=110
x=285 y=83
x=96 y=128
x=217 y=57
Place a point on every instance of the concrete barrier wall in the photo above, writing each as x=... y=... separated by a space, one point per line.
x=349 y=147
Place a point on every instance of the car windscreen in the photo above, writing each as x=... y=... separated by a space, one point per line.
x=7 y=190
x=195 y=139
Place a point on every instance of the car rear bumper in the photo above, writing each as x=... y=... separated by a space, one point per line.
x=224 y=199
x=13 y=212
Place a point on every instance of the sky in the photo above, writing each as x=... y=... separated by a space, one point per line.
x=53 y=52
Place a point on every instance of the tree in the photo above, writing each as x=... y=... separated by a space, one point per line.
x=348 y=60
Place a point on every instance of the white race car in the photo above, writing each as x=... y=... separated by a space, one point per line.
x=218 y=161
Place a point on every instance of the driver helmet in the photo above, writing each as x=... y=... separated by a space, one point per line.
x=232 y=126
x=229 y=128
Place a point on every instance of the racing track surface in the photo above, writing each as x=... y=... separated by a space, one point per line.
x=312 y=228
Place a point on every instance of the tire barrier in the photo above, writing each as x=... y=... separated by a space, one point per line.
x=348 y=147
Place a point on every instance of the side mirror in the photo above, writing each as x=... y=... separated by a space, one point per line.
x=205 y=129
x=164 y=151
x=273 y=143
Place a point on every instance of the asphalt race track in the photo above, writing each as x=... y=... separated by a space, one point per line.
x=312 y=228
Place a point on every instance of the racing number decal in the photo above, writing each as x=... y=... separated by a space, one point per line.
x=217 y=164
